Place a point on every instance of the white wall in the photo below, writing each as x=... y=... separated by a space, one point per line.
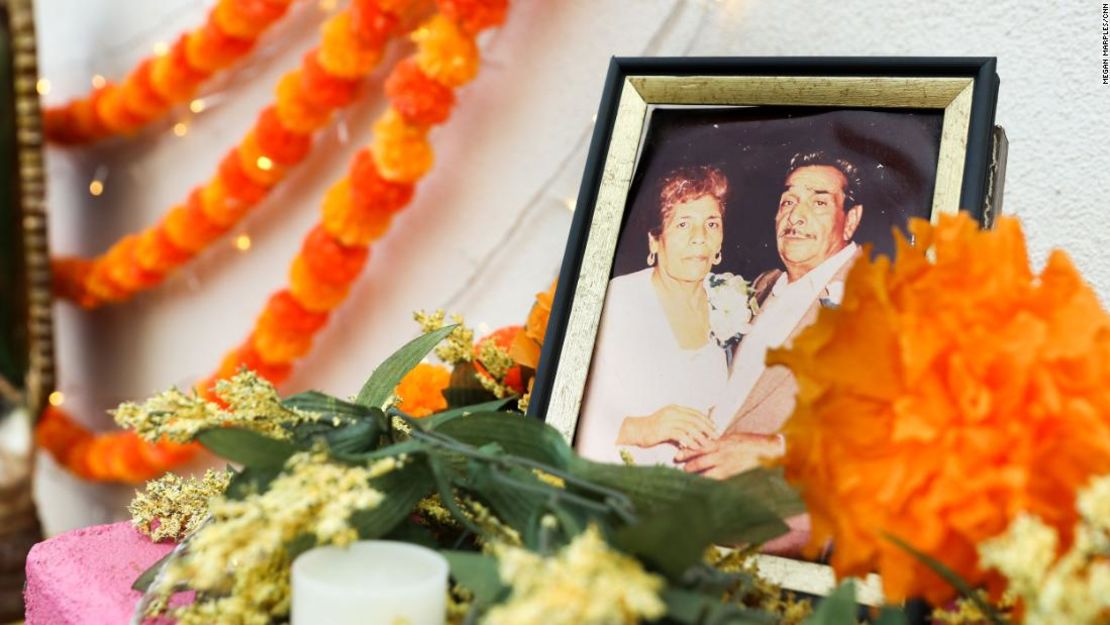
x=487 y=228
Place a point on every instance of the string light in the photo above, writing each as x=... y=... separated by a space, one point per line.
x=197 y=105
x=56 y=398
x=570 y=203
x=242 y=242
x=42 y=86
x=98 y=81
x=180 y=128
x=161 y=48
x=264 y=163
x=96 y=187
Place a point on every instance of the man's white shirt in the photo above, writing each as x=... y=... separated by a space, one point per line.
x=780 y=313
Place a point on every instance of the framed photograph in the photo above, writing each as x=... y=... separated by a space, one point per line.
x=723 y=202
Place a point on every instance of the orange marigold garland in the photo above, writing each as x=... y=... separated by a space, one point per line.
x=358 y=209
x=952 y=390
x=356 y=212
x=115 y=456
x=159 y=82
x=280 y=139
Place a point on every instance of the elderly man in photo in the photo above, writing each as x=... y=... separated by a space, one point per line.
x=819 y=212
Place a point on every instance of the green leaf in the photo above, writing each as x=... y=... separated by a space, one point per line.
x=671 y=548
x=324 y=404
x=403 y=489
x=516 y=507
x=247 y=448
x=409 y=447
x=459 y=397
x=839 y=608
x=434 y=421
x=769 y=485
x=694 y=608
x=891 y=615
x=744 y=509
x=379 y=388
x=146 y=578
x=951 y=577
x=674 y=538
x=414 y=533
x=707 y=579
x=517 y=434
x=477 y=573
x=250 y=480
x=444 y=476
x=355 y=438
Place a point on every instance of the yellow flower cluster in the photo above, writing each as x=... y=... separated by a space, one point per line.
x=172 y=414
x=484 y=518
x=965 y=611
x=239 y=563
x=254 y=400
x=762 y=594
x=252 y=403
x=497 y=362
x=586 y=583
x=1074 y=588
x=457 y=348
x=172 y=507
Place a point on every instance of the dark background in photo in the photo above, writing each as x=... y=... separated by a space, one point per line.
x=895 y=151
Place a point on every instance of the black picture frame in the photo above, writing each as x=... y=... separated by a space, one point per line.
x=974 y=154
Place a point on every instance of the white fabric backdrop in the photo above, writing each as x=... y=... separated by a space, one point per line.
x=488 y=226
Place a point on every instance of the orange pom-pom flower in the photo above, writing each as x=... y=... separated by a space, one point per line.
x=475 y=15
x=155 y=252
x=373 y=192
x=296 y=111
x=351 y=223
x=324 y=90
x=419 y=99
x=281 y=144
x=342 y=52
x=329 y=259
x=310 y=291
x=284 y=330
x=421 y=390
x=373 y=23
x=951 y=391
x=445 y=52
x=236 y=182
x=401 y=150
x=211 y=48
x=188 y=229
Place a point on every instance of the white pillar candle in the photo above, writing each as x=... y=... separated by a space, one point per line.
x=371 y=582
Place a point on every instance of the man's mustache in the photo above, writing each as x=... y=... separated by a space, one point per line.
x=790 y=231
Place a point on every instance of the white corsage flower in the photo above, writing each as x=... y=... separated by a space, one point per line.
x=731 y=306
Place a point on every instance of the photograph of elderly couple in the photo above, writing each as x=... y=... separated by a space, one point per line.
x=740 y=225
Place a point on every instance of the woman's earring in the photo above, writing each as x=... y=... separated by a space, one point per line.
x=717 y=258
x=651 y=258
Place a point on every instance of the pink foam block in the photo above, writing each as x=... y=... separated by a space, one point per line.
x=84 y=577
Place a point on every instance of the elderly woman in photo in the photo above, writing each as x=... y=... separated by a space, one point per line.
x=656 y=366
